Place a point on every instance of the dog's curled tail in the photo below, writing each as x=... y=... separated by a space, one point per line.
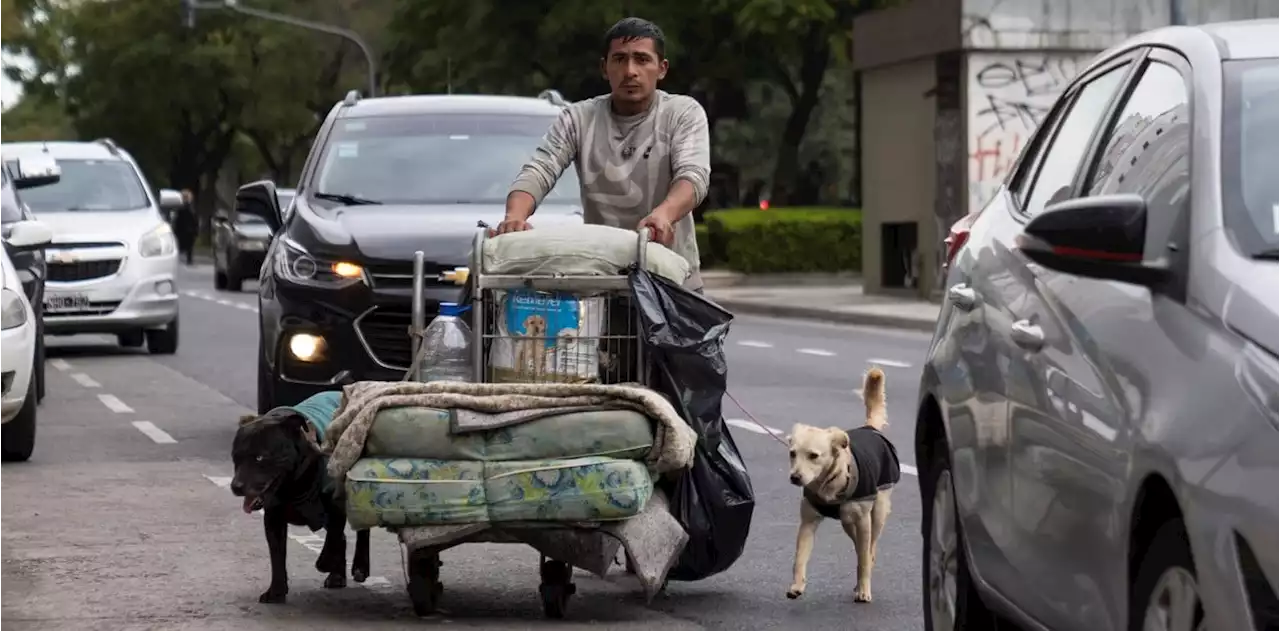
x=873 y=397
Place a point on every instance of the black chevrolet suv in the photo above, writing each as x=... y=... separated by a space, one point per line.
x=385 y=177
x=29 y=263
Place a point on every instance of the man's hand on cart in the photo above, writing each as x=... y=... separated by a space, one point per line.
x=660 y=227
x=510 y=224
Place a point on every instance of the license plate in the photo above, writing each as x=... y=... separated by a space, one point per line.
x=66 y=303
x=252 y=246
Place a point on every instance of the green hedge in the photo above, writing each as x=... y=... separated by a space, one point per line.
x=755 y=241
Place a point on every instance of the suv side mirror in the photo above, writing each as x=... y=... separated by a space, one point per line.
x=1101 y=237
x=34 y=171
x=170 y=199
x=29 y=235
x=259 y=199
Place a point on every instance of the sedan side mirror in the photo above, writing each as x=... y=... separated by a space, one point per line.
x=170 y=199
x=34 y=171
x=259 y=199
x=29 y=235
x=1101 y=237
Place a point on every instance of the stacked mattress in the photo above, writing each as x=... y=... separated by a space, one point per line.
x=574 y=466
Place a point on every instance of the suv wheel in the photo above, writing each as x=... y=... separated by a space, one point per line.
x=235 y=282
x=950 y=600
x=163 y=341
x=18 y=436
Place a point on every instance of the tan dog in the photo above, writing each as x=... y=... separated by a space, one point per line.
x=846 y=475
x=531 y=349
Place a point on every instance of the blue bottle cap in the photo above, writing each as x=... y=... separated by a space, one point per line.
x=451 y=309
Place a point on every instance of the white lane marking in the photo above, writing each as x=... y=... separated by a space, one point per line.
x=891 y=363
x=60 y=364
x=755 y=344
x=752 y=427
x=815 y=351
x=909 y=470
x=85 y=380
x=159 y=436
x=310 y=541
x=114 y=404
x=226 y=302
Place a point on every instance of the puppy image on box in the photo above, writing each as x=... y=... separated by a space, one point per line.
x=280 y=470
x=846 y=475
x=531 y=351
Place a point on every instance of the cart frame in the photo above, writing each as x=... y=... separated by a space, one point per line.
x=422 y=565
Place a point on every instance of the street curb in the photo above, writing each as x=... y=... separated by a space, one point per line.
x=825 y=315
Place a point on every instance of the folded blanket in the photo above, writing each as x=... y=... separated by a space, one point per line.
x=344 y=441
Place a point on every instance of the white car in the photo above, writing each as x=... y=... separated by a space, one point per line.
x=18 y=349
x=114 y=258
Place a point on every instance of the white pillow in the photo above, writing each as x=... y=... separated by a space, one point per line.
x=580 y=250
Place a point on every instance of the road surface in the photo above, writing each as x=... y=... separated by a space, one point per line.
x=122 y=520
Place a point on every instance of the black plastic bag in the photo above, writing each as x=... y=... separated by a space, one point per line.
x=684 y=344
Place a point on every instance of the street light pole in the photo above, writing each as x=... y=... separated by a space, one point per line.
x=349 y=35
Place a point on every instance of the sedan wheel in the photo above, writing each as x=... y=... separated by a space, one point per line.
x=943 y=545
x=1175 y=604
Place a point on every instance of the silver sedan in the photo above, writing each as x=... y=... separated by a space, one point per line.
x=1097 y=431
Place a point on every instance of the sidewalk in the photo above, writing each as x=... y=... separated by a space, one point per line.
x=826 y=297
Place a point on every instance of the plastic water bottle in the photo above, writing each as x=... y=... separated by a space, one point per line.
x=446 y=346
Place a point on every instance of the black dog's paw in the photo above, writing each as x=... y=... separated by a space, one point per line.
x=335 y=581
x=360 y=574
x=274 y=596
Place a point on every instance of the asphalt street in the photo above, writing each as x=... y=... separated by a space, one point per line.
x=122 y=519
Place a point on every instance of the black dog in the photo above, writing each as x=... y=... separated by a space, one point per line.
x=280 y=469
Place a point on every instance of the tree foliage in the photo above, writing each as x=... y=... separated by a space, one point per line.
x=185 y=101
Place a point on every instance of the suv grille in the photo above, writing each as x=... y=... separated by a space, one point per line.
x=82 y=270
x=385 y=334
x=401 y=276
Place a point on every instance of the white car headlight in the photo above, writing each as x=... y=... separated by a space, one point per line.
x=158 y=242
x=14 y=314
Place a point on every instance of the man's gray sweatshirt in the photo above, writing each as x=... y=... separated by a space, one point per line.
x=627 y=163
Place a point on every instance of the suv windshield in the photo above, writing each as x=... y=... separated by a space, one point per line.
x=433 y=158
x=1249 y=155
x=89 y=185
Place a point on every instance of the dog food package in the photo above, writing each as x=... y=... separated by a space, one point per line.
x=546 y=337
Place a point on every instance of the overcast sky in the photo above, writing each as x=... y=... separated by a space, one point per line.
x=9 y=91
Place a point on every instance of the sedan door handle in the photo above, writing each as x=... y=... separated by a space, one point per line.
x=1027 y=335
x=962 y=296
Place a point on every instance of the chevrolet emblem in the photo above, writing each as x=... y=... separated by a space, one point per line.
x=62 y=256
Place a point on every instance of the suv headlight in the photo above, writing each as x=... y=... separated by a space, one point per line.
x=158 y=242
x=14 y=315
x=296 y=265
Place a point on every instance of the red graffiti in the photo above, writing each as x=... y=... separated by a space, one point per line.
x=995 y=159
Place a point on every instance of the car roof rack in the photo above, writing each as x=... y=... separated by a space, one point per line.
x=553 y=97
x=110 y=145
x=351 y=98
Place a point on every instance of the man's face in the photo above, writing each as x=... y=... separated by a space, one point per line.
x=633 y=69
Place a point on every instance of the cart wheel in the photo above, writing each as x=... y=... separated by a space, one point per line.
x=424 y=582
x=557 y=586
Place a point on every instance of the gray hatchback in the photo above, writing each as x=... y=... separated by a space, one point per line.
x=1097 y=431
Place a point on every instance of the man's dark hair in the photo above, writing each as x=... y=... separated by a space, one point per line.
x=628 y=29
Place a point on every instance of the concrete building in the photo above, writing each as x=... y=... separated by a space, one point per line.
x=952 y=89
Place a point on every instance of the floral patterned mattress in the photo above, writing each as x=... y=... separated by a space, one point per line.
x=393 y=492
x=421 y=432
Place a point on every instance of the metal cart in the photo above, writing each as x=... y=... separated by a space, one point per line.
x=615 y=347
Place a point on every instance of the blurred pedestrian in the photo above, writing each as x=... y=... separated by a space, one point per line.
x=186 y=225
x=643 y=156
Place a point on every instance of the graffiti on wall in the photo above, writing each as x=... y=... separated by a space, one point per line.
x=1009 y=96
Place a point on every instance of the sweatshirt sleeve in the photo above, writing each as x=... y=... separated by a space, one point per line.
x=558 y=148
x=691 y=149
